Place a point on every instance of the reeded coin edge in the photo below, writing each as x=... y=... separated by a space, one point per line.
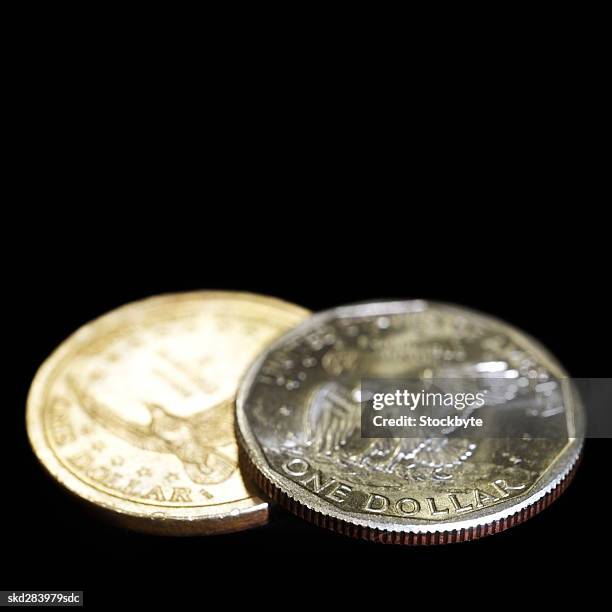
x=200 y=520
x=407 y=538
x=539 y=496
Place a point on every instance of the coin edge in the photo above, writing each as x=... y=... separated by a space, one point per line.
x=204 y=524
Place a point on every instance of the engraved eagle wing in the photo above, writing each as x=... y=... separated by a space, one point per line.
x=138 y=435
x=332 y=418
x=215 y=427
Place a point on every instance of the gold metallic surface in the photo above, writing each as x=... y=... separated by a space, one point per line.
x=133 y=413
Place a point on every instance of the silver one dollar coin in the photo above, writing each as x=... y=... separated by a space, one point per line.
x=306 y=434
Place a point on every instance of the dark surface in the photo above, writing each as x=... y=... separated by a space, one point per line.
x=480 y=182
x=74 y=273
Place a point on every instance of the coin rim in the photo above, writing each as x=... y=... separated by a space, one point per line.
x=248 y=512
x=309 y=506
x=409 y=538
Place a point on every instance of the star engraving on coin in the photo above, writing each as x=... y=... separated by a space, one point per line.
x=195 y=440
x=437 y=486
x=134 y=413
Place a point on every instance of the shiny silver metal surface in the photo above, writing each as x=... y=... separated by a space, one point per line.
x=299 y=428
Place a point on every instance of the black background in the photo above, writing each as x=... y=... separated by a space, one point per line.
x=464 y=168
x=501 y=259
x=130 y=183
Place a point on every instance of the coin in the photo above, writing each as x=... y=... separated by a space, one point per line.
x=299 y=426
x=134 y=413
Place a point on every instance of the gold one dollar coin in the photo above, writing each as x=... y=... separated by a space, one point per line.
x=134 y=413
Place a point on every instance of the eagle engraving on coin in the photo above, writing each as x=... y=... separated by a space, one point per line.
x=134 y=412
x=300 y=413
x=333 y=432
x=194 y=440
x=332 y=428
